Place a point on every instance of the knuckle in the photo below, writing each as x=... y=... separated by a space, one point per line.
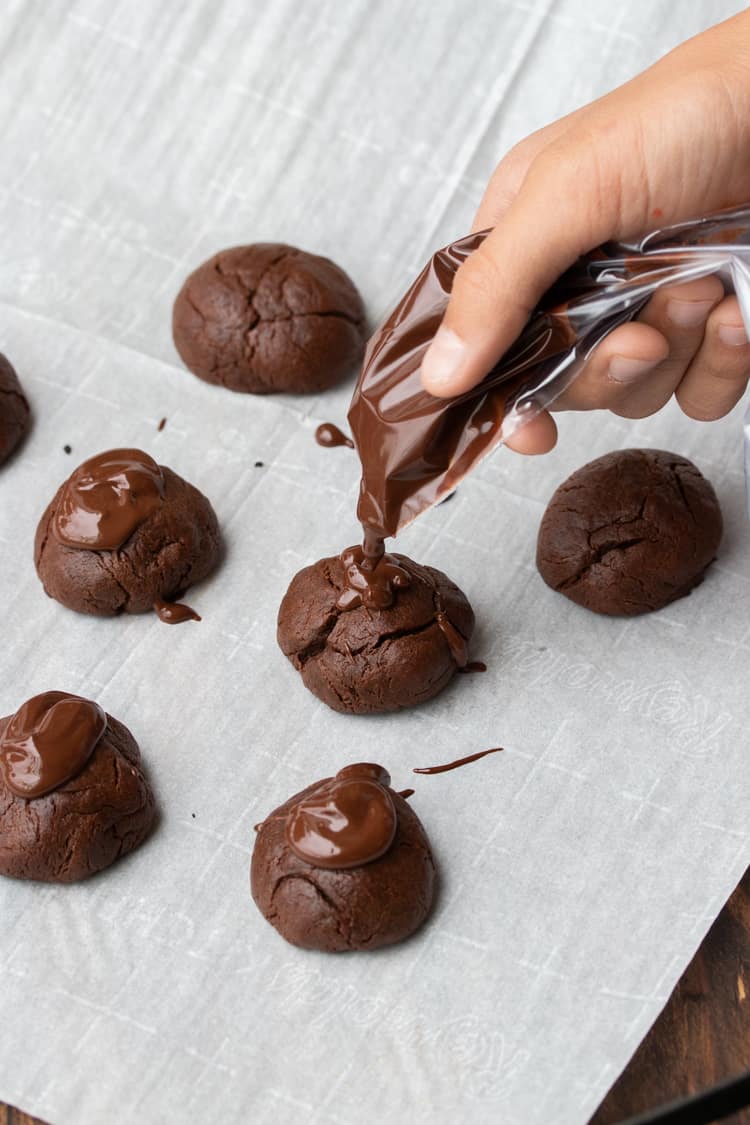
x=585 y=165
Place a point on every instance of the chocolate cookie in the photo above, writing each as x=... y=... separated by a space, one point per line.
x=344 y=865
x=269 y=317
x=15 y=415
x=630 y=532
x=125 y=535
x=73 y=796
x=365 y=658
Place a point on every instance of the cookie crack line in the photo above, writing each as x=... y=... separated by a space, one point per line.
x=109 y=570
x=599 y=557
x=397 y=634
x=316 y=646
x=289 y=317
x=22 y=397
x=622 y=521
x=305 y=877
x=250 y=293
x=673 y=468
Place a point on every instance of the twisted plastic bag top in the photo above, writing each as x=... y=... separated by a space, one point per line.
x=415 y=449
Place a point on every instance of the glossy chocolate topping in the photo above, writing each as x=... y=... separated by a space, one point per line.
x=347 y=821
x=106 y=499
x=48 y=741
x=459 y=762
x=414 y=448
x=174 y=613
x=374 y=581
x=331 y=436
x=370 y=585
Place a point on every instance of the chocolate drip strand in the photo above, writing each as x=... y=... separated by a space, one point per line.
x=459 y=762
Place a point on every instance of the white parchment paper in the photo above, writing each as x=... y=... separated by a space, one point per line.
x=581 y=868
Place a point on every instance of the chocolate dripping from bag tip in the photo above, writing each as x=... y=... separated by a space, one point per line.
x=415 y=449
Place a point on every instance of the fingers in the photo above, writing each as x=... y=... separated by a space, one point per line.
x=680 y=313
x=690 y=342
x=620 y=367
x=638 y=367
x=716 y=379
x=536 y=436
x=497 y=287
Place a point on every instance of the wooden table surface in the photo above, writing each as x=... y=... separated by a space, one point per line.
x=701 y=1037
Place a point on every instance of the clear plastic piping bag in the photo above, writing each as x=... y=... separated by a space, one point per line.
x=415 y=449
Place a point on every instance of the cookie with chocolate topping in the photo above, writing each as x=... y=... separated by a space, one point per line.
x=269 y=317
x=344 y=865
x=73 y=795
x=15 y=415
x=125 y=535
x=630 y=532
x=366 y=642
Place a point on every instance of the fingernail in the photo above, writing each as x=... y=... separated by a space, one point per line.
x=733 y=335
x=443 y=357
x=688 y=314
x=625 y=370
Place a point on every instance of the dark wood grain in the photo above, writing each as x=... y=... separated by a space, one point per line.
x=701 y=1037
x=703 y=1034
x=11 y=1116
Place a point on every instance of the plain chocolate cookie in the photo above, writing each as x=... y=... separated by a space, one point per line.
x=630 y=532
x=269 y=317
x=104 y=812
x=366 y=660
x=15 y=415
x=177 y=545
x=336 y=910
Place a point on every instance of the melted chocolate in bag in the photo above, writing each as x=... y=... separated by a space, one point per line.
x=415 y=448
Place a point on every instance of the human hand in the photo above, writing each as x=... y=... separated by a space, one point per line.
x=672 y=144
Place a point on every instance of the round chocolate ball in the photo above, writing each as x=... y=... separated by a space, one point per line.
x=377 y=884
x=269 y=317
x=123 y=534
x=630 y=532
x=73 y=794
x=15 y=415
x=369 y=659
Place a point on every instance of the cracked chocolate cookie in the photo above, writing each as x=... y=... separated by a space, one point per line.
x=365 y=658
x=73 y=795
x=344 y=865
x=269 y=317
x=15 y=415
x=125 y=535
x=629 y=532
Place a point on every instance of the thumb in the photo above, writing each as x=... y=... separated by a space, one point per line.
x=548 y=225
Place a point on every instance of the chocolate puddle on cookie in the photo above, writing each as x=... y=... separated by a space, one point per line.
x=48 y=741
x=371 y=584
x=174 y=613
x=373 y=579
x=106 y=498
x=347 y=821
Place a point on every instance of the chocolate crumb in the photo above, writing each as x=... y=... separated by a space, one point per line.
x=161 y=425
x=259 y=464
x=67 y=449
